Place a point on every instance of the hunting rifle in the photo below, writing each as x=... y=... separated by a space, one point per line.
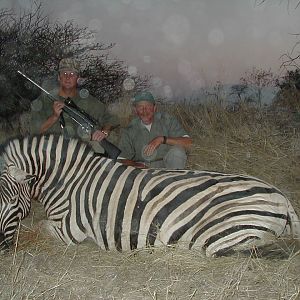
x=82 y=118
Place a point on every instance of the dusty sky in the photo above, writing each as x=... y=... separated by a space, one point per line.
x=186 y=44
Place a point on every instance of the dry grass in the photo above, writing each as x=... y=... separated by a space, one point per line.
x=48 y=270
x=247 y=141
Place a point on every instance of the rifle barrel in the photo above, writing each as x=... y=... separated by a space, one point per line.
x=34 y=83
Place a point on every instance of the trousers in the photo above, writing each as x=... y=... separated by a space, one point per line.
x=175 y=158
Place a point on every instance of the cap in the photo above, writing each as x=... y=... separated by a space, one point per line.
x=69 y=64
x=144 y=96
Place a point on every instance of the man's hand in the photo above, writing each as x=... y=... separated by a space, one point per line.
x=128 y=162
x=57 y=108
x=153 y=145
x=99 y=135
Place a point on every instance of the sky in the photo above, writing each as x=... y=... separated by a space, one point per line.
x=185 y=44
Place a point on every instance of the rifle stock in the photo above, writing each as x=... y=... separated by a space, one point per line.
x=111 y=150
x=82 y=118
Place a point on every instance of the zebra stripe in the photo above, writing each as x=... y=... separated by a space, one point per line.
x=120 y=207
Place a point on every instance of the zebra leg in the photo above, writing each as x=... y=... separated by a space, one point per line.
x=240 y=243
x=52 y=229
x=175 y=158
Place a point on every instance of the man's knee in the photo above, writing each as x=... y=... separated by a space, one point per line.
x=175 y=158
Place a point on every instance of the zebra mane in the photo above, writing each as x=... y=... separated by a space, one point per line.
x=20 y=140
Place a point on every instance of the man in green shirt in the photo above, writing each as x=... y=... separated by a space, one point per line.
x=46 y=115
x=154 y=139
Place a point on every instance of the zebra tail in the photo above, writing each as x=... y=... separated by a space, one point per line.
x=293 y=224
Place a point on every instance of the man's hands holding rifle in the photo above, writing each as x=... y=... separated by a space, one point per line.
x=97 y=135
x=57 y=110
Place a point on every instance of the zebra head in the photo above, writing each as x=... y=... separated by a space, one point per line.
x=15 y=186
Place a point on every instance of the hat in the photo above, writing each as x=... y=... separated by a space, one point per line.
x=69 y=64
x=144 y=96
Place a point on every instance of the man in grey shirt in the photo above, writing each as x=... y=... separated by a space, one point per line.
x=154 y=139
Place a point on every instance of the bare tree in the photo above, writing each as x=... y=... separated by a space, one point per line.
x=288 y=97
x=216 y=93
x=239 y=90
x=288 y=2
x=291 y=59
x=258 y=79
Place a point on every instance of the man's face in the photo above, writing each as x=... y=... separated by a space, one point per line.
x=145 y=111
x=68 y=79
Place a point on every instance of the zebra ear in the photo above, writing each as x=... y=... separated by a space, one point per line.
x=19 y=175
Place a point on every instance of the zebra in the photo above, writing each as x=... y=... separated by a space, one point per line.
x=88 y=196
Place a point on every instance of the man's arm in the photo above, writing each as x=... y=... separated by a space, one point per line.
x=177 y=136
x=184 y=141
x=57 y=110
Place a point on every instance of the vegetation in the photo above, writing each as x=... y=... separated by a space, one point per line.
x=257 y=79
x=288 y=97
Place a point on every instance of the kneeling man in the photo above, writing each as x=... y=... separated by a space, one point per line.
x=154 y=139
